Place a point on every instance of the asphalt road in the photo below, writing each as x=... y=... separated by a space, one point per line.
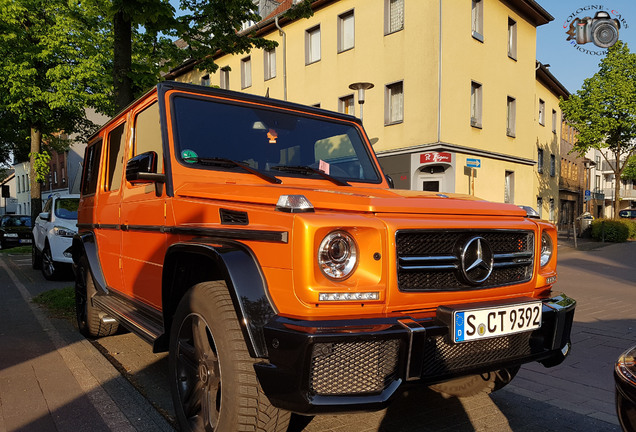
x=577 y=395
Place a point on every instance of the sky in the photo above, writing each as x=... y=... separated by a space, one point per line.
x=570 y=63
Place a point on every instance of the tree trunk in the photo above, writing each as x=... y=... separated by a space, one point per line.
x=617 y=195
x=122 y=60
x=36 y=200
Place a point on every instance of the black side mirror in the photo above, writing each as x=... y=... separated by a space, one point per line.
x=143 y=169
x=389 y=180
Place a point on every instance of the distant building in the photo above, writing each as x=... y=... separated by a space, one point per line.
x=548 y=125
x=7 y=187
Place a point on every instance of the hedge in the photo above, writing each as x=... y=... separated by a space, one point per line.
x=613 y=230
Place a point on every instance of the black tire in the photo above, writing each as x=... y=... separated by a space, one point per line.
x=89 y=319
x=476 y=384
x=50 y=268
x=36 y=258
x=212 y=379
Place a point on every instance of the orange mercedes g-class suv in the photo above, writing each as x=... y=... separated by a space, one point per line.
x=259 y=242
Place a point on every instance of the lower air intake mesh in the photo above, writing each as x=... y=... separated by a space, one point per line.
x=353 y=368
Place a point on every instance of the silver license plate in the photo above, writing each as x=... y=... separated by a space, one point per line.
x=475 y=324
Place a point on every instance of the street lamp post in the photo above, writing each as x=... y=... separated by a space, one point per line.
x=361 y=87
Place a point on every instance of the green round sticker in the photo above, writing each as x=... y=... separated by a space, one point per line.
x=189 y=156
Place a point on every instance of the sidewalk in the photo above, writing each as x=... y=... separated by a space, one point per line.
x=567 y=242
x=52 y=379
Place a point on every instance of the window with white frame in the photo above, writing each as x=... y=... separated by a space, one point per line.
x=540 y=161
x=394 y=103
x=346 y=31
x=205 y=80
x=554 y=121
x=346 y=105
x=541 y=112
x=512 y=38
x=225 y=78
x=511 y=116
x=540 y=207
x=477 y=18
x=312 y=45
x=269 y=57
x=394 y=16
x=475 y=104
x=246 y=72
x=509 y=187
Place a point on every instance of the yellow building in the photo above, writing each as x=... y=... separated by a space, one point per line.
x=454 y=84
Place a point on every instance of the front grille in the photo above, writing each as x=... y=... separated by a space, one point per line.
x=430 y=260
x=351 y=368
x=441 y=357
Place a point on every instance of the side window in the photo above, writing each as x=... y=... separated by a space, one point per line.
x=91 y=168
x=148 y=134
x=116 y=145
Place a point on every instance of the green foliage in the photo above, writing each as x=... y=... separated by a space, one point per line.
x=59 y=302
x=629 y=173
x=41 y=165
x=300 y=10
x=603 y=111
x=616 y=231
x=52 y=63
x=631 y=225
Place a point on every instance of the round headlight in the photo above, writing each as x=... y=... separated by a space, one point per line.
x=546 y=248
x=338 y=255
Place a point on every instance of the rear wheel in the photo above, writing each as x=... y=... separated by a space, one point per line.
x=476 y=384
x=214 y=386
x=89 y=318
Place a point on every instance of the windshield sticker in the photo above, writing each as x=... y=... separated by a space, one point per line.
x=323 y=166
x=189 y=156
x=272 y=135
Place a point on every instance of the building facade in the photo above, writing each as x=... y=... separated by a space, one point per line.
x=453 y=102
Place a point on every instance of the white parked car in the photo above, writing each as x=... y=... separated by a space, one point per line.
x=53 y=233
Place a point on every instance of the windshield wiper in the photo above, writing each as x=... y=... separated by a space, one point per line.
x=310 y=170
x=230 y=162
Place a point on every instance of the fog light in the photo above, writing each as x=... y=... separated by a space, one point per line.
x=356 y=296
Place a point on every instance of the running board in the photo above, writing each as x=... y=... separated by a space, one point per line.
x=136 y=317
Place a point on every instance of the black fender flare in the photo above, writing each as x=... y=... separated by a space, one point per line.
x=84 y=244
x=237 y=265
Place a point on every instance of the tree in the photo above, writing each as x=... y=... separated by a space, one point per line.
x=143 y=33
x=51 y=68
x=603 y=112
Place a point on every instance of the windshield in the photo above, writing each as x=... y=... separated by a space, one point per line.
x=16 y=221
x=268 y=140
x=66 y=208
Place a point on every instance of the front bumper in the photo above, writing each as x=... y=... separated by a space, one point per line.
x=330 y=366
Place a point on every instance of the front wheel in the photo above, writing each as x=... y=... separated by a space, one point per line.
x=476 y=384
x=214 y=386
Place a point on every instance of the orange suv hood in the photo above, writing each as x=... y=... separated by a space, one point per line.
x=353 y=199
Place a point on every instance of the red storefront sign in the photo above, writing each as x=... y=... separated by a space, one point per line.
x=434 y=157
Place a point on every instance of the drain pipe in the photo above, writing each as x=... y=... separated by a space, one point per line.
x=284 y=36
